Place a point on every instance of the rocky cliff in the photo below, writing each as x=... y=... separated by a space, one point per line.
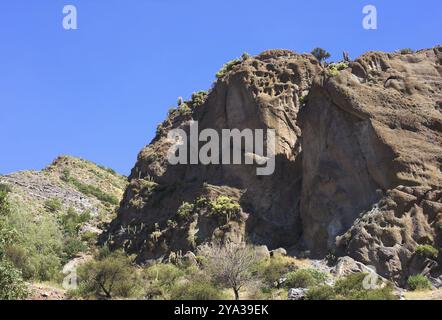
x=358 y=163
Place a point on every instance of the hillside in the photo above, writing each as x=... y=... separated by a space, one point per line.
x=76 y=183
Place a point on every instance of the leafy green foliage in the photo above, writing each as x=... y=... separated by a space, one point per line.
x=272 y=269
x=320 y=54
x=197 y=99
x=335 y=68
x=94 y=191
x=305 y=278
x=185 y=210
x=227 y=67
x=225 y=208
x=110 y=275
x=406 y=51
x=322 y=292
x=12 y=286
x=351 y=288
x=427 y=251
x=53 y=205
x=197 y=290
x=419 y=282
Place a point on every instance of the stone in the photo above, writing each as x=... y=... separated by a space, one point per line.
x=297 y=294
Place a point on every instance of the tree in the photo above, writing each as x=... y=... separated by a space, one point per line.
x=320 y=54
x=12 y=286
x=112 y=275
x=230 y=265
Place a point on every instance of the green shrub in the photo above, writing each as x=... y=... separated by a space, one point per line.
x=42 y=241
x=94 y=191
x=164 y=275
x=72 y=247
x=323 y=292
x=226 y=68
x=185 y=210
x=320 y=54
x=89 y=237
x=225 y=208
x=4 y=188
x=111 y=275
x=184 y=109
x=352 y=288
x=12 y=286
x=197 y=290
x=406 y=51
x=53 y=205
x=427 y=251
x=197 y=99
x=272 y=269
x=305 y=278
x=419 y=282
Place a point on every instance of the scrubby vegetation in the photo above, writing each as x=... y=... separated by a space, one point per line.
x=12 y=286
x=305 y=278
x=406 y=51
x=110 y=275
x=335 y=68
x=320 y=54
x=418 y=283
x=351 y=288
x=227 y=67
x=427 y=251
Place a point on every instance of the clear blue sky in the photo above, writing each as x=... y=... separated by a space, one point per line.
x=98 y=92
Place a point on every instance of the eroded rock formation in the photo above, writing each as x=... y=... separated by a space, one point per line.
x=358 y=163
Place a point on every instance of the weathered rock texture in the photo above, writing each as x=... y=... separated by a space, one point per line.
x=358 y=163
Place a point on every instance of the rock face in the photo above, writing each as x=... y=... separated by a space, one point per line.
x=257 y=93
x=358 y=163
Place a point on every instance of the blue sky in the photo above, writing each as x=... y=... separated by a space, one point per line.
x=99 y=92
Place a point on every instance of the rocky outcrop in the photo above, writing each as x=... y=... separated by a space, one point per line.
x=258 y=93
x=358 y=163
x=367 y=133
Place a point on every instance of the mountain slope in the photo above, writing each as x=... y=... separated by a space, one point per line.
x=76 y=183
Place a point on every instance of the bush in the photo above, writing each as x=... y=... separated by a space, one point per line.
x=53 y=205
x=320 y=54
x=226 y=68
x=351 y=288
x=72 y=247
x=197 y=290
x=12 y=286
x=94 y=191
x=419 y=282
x=225 y=208
x=274 y=268
x=197 y=100
x=406 y=51
x=4 y=188
x=112 y=275
x=427 y=251
x=165 y=275
x=184 y=110
x=321 y=293
x=305 y=278
x=41 y=242
x=185 y=210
